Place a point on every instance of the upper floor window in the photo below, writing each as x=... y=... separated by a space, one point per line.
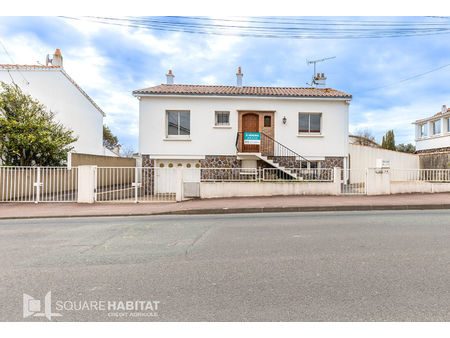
x=178 y=123
x=222 y=118
x=309 y=123
x=437 y=127
x=423 y=130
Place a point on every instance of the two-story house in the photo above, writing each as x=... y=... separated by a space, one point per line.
x=200 y=126
x=433 y=133
x=52 y=86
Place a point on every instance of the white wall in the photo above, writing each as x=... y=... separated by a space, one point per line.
x=436 y=141
x=205 y=139
x=72 y=108
x=362 y=157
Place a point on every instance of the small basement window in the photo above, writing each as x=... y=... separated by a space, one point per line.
x=222 y=118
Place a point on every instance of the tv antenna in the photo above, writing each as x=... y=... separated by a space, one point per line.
x=309 y=62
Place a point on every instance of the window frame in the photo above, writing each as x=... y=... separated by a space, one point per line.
x=180 y=136
x=424 y=127
x=433 y=124
x=216 y=114
x=309 y=132
x=269 y=118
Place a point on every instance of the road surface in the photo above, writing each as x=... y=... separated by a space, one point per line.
x=330 y=266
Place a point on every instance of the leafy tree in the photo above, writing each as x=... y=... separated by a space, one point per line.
x=406 y=148
x=110 y=141
x=29 y=135
x=388 y=141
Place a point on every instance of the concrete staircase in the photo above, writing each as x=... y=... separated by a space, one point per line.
x=277 y=165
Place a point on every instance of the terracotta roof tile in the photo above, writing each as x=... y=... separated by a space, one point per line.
x=27 y=67
x=179 y=89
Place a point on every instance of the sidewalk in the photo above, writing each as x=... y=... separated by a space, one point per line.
x=229 y=205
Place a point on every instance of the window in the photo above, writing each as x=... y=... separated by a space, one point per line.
x=313 y=165
x=437 y=127
x=309 y=123
x=178 y=123
x=304 y=165
x=448 y=125
x=267 y=121
x=424 y=130
x=222 y=118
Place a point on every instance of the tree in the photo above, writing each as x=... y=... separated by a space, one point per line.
x=29 y=135
x=406 y=148
x=365 y=138
x=127 y=151
x=110 y=141
x=388 y=141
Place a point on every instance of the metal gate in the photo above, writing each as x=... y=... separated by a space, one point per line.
x=38 y=184
x=135 y=184
x=354 y=181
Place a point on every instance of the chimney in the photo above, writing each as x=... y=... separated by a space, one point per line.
x=444 y=109
x=57 y=59
x=170 y=77
x=239 y=77
x=320 y=80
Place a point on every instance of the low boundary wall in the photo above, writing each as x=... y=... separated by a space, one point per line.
x=251 y=189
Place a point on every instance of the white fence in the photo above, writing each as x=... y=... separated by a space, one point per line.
x=135 y=184
x=423 y=175
x=354 y=181
x=38 y=184
x=161 y=184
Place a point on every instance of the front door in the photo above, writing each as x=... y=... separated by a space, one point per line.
x=250 y=124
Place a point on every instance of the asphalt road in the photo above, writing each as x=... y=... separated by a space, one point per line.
x=346 y=266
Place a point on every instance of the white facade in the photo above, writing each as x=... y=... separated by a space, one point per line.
x=208 y=139
x=433 y=132
x=72 y=107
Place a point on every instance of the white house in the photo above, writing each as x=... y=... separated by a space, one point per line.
x=239 y=126
x=433 y=133
x=54 y=88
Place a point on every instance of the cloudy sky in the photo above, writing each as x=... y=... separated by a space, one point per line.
x=109 y=62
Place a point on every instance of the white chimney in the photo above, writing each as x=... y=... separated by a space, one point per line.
x=444 y=109
x=320 y=80
x=239 y=77
x=170 y=77
x=57 y=59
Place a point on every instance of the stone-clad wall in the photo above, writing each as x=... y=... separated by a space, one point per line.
x=435 y=150
x=332 y=162
x=148 y=175
x=219 y=161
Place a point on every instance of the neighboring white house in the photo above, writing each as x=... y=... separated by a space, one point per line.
x=54 y=88
x=239 y=126
x=433 y=133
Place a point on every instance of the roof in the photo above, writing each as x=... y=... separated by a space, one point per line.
x=27 y=67
x=179 y=89
x=435 y=116
x=54 y=68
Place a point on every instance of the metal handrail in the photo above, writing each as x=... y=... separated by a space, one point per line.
x=270 y=147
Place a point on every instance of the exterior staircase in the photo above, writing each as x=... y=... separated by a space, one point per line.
x=272 y=152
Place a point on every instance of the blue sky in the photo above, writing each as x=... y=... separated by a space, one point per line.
x=109 y=62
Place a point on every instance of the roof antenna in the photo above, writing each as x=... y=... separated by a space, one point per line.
x=316 y=79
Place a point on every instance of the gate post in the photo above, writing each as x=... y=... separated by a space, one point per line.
x=86 y=183
x=179 y=184
x=337 y=180
x=38 y=185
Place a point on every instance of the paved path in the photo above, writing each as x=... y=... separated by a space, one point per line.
x=328 y=266
x=229 y=205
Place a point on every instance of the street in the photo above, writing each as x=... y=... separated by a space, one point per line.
x=328 y=266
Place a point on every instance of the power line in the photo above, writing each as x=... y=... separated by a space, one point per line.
x=293 y=28
x=12 y=60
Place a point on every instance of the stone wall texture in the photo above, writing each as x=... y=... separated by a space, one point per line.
x=435 y=150
x=435 y=161
x=219 y=161
x=148 y=175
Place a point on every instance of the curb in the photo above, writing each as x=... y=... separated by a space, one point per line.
x=254 y=210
